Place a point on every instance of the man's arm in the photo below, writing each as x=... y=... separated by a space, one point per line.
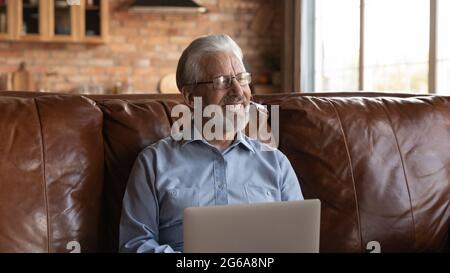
x=290 y=187
x=139 y=224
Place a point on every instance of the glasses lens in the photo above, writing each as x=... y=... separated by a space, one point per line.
x=222 y=82
x=244 y=78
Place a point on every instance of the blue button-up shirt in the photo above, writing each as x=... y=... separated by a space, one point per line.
x=171 y=175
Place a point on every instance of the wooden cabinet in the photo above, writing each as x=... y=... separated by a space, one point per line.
x=55 y=20
x=94 y=20
x=62 y=25
x=6 y=20
x=28 y=20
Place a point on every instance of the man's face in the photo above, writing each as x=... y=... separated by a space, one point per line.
x=222 y=64
x=236 y=96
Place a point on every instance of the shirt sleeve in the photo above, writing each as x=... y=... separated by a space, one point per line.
x=139 y=223
x=290 y=186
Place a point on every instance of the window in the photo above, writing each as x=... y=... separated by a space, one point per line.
x=377 y=45
x=396 y=45
x=443 y=48
x=336 y=45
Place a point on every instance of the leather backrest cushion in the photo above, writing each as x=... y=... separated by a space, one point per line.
x=129 y=126
x=51 y=172
x=22 y=203
x=380 y=166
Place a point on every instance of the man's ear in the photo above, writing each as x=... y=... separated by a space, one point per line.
x=188 y=96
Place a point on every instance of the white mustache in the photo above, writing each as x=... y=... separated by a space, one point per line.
x=233 y=101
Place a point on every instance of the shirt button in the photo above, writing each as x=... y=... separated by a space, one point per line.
x=221 y=186
x=173 y=193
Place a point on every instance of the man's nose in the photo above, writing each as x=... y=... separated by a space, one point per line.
x=236 y=88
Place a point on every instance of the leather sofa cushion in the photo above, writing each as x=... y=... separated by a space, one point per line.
x=51 y=172
x=129 y=126
x=379 y=165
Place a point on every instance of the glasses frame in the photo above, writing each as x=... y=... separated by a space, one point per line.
x=220 y=80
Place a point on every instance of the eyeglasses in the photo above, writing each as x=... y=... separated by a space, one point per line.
x=225 y=82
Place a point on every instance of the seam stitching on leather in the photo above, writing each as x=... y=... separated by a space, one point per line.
x=403 y=167
x=44 y=180
x=167 y=111
x=351 y=170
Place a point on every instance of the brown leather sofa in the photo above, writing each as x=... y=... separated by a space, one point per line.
x=380 y=164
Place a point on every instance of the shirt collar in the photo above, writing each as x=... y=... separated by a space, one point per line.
x=240 y=139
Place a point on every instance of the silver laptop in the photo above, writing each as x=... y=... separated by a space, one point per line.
x=253 y=228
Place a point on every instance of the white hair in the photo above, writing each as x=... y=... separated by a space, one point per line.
x=189 y=70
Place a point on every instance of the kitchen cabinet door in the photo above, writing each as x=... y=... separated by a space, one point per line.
x=95 y=20
x=6 y=19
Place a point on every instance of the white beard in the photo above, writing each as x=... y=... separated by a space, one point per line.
x=225 y=123
x=236 y=118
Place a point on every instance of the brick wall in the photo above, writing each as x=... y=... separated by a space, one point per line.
x=144 y=47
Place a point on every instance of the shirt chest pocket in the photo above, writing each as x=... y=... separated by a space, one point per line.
x=259 y=194
x=177 y=199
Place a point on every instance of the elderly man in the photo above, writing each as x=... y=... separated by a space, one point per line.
x=171 y=175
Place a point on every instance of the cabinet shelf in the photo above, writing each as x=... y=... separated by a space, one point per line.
x=93 y=8
x=28 y=6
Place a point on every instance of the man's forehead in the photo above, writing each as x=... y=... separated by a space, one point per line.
x=221 y=63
